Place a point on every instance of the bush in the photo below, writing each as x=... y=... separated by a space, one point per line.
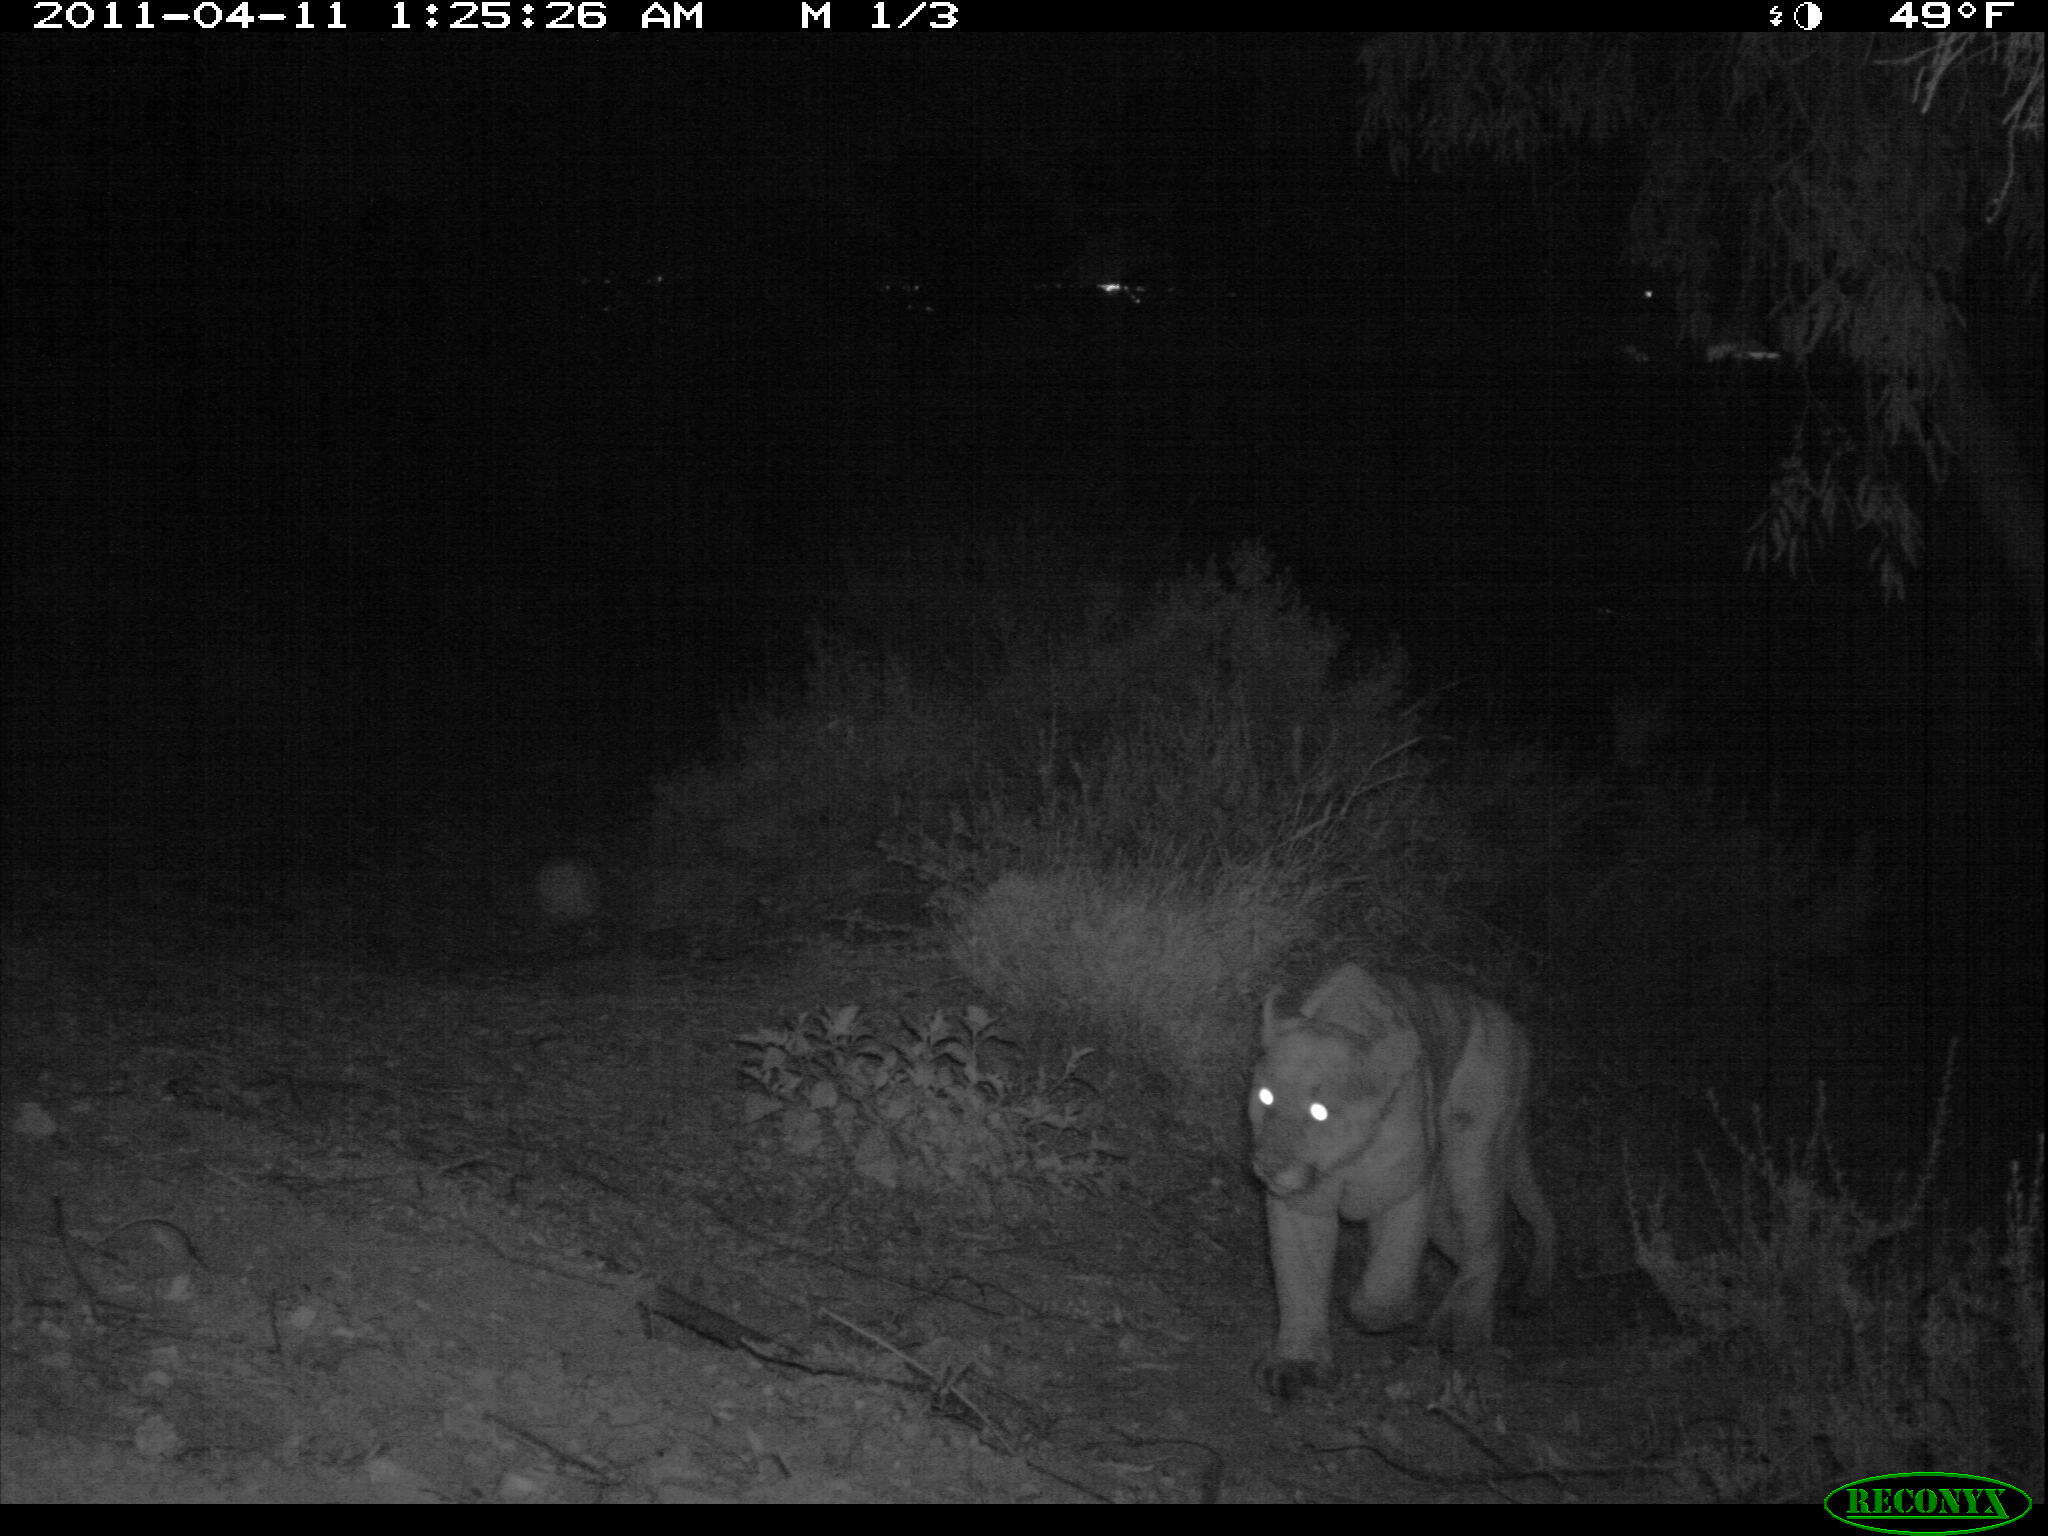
x=1880 y=1353
x=1180 y=799
x=934 y=1107
x=1131 y=823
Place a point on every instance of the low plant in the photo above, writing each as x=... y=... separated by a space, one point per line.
x=1880 y=1344
x=941 y=1105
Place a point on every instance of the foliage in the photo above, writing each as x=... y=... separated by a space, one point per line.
x=1129 y=819
x=933 y=1106
x=1156 y=969
x=1882 y=1352
x=1829 y=186
x=806 y=787
x=1180 y=796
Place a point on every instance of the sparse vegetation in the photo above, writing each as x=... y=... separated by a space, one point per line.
x=1882 y=1347
x=941 y=1106
x=1126 y=828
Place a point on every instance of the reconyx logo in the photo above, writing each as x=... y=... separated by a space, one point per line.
x=1948 y=1502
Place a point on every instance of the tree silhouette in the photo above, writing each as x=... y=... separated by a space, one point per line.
x=1829 y=199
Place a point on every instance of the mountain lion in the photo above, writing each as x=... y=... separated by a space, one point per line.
x=1403 y=1105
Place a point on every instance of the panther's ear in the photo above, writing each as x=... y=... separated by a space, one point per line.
x=1346 y=998
x=1269 y=1029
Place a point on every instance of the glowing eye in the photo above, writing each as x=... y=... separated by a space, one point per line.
x=1318 y=1112
x=1265 y=1097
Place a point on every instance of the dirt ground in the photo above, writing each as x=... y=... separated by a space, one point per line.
x=281 y=1225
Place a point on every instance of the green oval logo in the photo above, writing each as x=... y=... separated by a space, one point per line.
x=1915 y=1502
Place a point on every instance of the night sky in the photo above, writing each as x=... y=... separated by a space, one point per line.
x=384 y=365
x=529 y=346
